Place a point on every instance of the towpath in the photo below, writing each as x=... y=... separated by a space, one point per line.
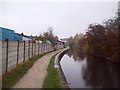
x=35 y=76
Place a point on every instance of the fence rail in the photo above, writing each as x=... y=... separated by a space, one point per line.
x=15 y=53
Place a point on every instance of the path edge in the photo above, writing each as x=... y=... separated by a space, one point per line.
x=59 y=68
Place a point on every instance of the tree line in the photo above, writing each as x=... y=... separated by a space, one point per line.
x=100 y=40
x=48 y=35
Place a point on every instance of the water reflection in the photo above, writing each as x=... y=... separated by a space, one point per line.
x=97 y=73
x=93 y=72
x=76 y=54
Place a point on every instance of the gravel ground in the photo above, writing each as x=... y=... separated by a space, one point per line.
x=35 y=76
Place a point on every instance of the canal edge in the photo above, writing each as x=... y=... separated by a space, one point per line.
x=59 y=69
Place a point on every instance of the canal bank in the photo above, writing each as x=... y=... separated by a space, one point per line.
x=83 y=71
x=57 y=65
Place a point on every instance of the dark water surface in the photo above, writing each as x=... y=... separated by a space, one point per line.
x=88 y=72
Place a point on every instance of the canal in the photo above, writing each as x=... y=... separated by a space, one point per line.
x=88 y=72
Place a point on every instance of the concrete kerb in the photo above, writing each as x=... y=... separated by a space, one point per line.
x=57 y=57
x=58 y=66
x=56 y=63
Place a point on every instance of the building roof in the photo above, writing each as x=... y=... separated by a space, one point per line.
x=6 y=29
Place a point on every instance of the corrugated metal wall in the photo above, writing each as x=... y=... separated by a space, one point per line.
x=6 y=34
x=18 y=37
x=11 y=35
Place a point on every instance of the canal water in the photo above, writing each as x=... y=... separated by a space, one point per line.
x=87 y=72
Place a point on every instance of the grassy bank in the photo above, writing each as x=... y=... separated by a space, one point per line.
x=52 y=79
x=12 y=77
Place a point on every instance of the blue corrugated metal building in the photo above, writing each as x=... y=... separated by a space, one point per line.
x=6 y=34
x=18 y=37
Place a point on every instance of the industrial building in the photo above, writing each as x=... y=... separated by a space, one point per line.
x=8 y=34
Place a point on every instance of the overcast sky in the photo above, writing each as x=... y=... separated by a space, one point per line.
x=66 y=18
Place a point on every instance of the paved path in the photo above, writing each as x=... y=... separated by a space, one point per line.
x=35 y=76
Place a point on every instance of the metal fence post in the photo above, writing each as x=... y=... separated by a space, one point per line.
x=32 y=49
x=48 y=47
x=17 y=54
x=41 y=48
x=24 y=53
x=29 y=51
x=38 y=47
x=35 y=50
x=44 y=47
x=7 y=55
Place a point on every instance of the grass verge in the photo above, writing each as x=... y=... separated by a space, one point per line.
x=52 y=79
x=12 y=77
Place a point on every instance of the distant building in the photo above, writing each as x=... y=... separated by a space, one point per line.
x=26 y=39
x=60 y=44
x=64 y=40
x=8 y=34
x=18 y=37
